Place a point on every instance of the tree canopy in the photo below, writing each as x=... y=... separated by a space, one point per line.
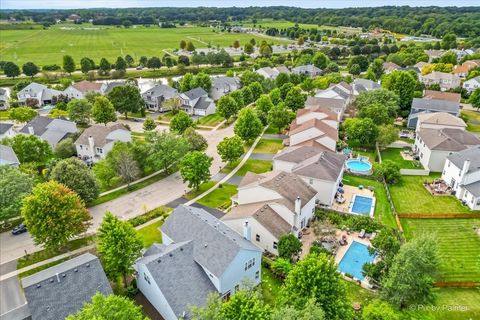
x=195 y=168
x=14 y=186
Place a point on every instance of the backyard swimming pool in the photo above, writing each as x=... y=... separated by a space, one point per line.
x=362 y=205
x=356 y=256
x=359 y=165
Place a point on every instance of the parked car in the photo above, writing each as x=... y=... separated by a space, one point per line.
x=21 y=228
x=404 y=134
x=139 y=68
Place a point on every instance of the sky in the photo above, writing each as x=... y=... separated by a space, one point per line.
x=74 y=4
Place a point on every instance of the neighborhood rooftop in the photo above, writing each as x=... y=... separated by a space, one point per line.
x=447 y=139
x=8 y=156
x=472 y=154
x=435 y=105
x=99 y=133
x=195 y=93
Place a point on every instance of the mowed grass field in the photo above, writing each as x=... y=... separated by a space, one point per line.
x=50 y=45
x=458 y=245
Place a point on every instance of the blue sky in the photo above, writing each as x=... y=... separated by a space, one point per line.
x=72 y=4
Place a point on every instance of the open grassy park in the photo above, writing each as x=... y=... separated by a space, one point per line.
x=48 y=46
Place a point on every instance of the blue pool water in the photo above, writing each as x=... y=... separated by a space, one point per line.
x=361 y=166
x=362 y=205
x=354 y=259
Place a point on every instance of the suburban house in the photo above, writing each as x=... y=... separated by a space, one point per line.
x=155 y=96
x=446 y=81
x=434 y=145
x=199 y=255
x=8 y=156
x=51 y=130
x=361 y=85
x=420 y=65
x=462 y=174
x=3 y=99
x=422 y=105
x=462 y=53
x=389 y=67
x=113 y=84
x=223 y=85
x=472 y=84
x=461 y=71
x=310 y=70
x=322 y=170
x=79 y=89
x=442 y=95
x=96 y=141
x=272 y=73
x=6 y=130
x=63 y=289
x=439 y=120
x=270 y=205
x=336 y=105
x=197 y=103
x=316 y=127
x=39 y=92
x=434 y=54
x=341 y=90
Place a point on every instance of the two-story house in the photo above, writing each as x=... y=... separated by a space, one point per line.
x=272 y=73
x=446 y=81
x=96 y=141
x=196 y=102
x=3 y=99
x=270 y=205
x=80 y=89
x=155 y=96
x=321 y=169
x=462 y=174
x=423 y=105
x=36 y=94
x=310 y=70
x=51 y=130
x=439 y=120
x=472 y=84
x=223 y=85
x=200 y=255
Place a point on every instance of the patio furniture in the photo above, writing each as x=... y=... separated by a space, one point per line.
x=361 y=235
x=374 y=234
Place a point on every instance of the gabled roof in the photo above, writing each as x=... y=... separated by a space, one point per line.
x=442 y=95
x=58 y=291
x=203 y=103
x=448 y=139
x=4 y=127
x=435 y=105
x=329 y=114
x=326 y=165
x=113 y=84
x=365 y=85
x=472 y=154
x=51 y=130
x=314 y=123
x=215 y=244
x=195 y=93
x=441 y=118
x=310 y=68
x=476 y=79
x=7 y=156
x=437 y=75
x=314 y=102
x=224 y=82
x=161 y=90
x=297 y=154
x=181 y=280
x=85 y=86
x=99 y=133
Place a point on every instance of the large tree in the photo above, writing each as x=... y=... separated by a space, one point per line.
x=388 y=99
x=361 y=132
x=245 y=305
x=181 y=122
x=127 y=168
x=227 y=107
x=68 y=64
x=475 y=99
x=411 y=276
x=195 y=140
x=86 y=65
x=22 y=114
x=316 y=277
x=311 y=311
x=65 y=149
x=264 y=103
x=126 y=99
x=230 y=149
x=119 y=246
x=279 y=116
x=30 y=69
x=377 y=112
x=103 y=110
x=29 y=148
x=387 y=134
x=248 y=125
x=165 y=149
x=79 y=111
x=320 y=60
x=202 y=80
x=120 y=64
x=14 y=186
x=154 y=63
x=74 y=174
x=289 y=246
x=11 y=70
x=195 y=168
x=104 y=66
x=295 y=99
x=403 y=84
x=54 y=214
x=110 y=307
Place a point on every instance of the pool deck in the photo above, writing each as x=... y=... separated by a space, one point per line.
x=350 y=191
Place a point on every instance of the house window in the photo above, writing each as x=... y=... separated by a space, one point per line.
x=257 y=237
x=275 y=245
x=311 y=181
x=250 y=263
x=99 y=150
x=81 y=147
x=147 y=279
x=257 y=274
x=237 y=287
x=421 y=155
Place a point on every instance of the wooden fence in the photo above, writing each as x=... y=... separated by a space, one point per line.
x=457 y=284
x=451 y=215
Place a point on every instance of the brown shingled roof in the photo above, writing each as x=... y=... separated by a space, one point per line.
x=314 y=123
x=85 y=86
x=448 y=139
x=440 y=95
x=99 y=134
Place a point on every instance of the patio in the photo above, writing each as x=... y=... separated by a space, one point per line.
x=438 y=187
x=343 y=204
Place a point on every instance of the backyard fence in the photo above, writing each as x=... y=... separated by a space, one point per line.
x=414 y=172
x=399 y=144
x=457 y=284
x=439 y=215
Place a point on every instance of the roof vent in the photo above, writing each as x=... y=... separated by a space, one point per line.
x=39 y=285
x=181 y=249
x=87 y=265
x=75 y=270
x=206 y=244
x=51 y=280
x=159 y=260
x=170 y=255
x=63 y=275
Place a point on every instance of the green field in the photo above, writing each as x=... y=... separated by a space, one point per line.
x=50 y=45
x=394 y=155
x=459 y=246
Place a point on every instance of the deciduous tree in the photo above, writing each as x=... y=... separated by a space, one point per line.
x=386 y=98
x=288 y=246
x=475 y=99
x=387 y=134
x=22 y=114
x=120 y=64
x=14 y=186
x=79 y=111
x=195 y=168
x=29 y=148
x=377 y=112
x=68 y=64
x=11 y=70
x=181 y=122
x=230 y=149
x=103 y=111
x=379 y=310
x=30 y=69
x=126 y=99
x=280 y=117
x=248 y=125
x=361 y=132
x=149 y=124
x=165 y=149
x=86 y=65
x=295 y=99
x=227 y=107
x=195 y=140
x=154 y=63
x=65 y=149
x=403 y=84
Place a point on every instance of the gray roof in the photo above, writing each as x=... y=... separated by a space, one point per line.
x=310 y=68
x=58 y=291
x=7 y=156
x=161 y=90
x=215 y=244
x=112 y=85
x=195 y=93
x=39 y=125
x=4 y=127
x=365 y=85
x=224 y=82
x=326 y=165
x=297 y=154
x=448 y=139
x=51 y=130
x=203 y=103
x=472 y=154
x=330 y=103
x=99 y=133
x=182 y=281
x=473 y=188
x=435 y=105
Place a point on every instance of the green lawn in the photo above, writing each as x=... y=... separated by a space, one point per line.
x=270 y=287
x=383 y=212
x=167 y=116
x=267 y=146
x=211 y=120
x=371 y=154
x=4 y=115
x=394 y=155
x=459 y=246
x=256 y=166
x=272 y=130
x=150 y=234
x=471 y=115
x=410 y=196
x=218 y=198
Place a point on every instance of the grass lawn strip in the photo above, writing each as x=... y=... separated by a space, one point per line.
x=459 y=246
x=218 y=198
x=270 y=287
x=150 y=234
x=472 y=118
x=271 y=146
x=410 y=196
x=211 y=120
x=394 y=155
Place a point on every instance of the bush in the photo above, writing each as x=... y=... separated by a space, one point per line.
x=353 y=222
x=150 y=215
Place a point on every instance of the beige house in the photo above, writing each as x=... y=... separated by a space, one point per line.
x=439 y=120
x=446 y=81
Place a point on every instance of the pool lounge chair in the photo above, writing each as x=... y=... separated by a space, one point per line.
x=361 y=235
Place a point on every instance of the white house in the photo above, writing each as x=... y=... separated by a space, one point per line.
x=6 y=130
x=39 y=92
x=272 y=73
x=314 y=127
x=157 y=95
x=51 y=130
x=310 y=70
x=80 y=89
x=8 y=156
x=199 y=255
x=446 y=81
x=322 y=170
x=96 y=141
x=472 y=84
x=434 y=145
x=271 y=204
x=462 y=174
x=223 y=85
x=4 y=95
x=439 y=120
x=361 y=85
x=196 y=102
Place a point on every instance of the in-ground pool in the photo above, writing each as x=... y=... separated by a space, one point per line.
x=360 y=165
x=356 y=256
x=362 y=205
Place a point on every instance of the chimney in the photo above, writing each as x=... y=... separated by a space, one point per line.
x=247 y=231
x=298 y=205
x=30 y=130
x=91 y=144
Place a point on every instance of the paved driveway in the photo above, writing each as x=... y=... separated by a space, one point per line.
x=128 y=206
